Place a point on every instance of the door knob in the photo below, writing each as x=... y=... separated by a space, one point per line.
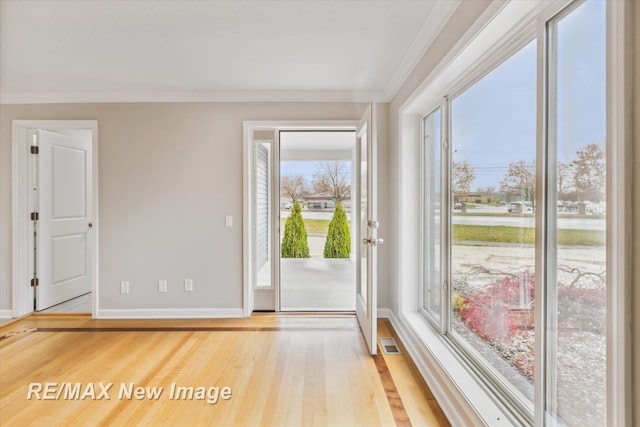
x=376 y=242
x=372 y=242
x=90 y=225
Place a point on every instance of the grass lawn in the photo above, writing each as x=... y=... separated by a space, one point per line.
x=492 y=233
x=502 y=234
x=315 y=226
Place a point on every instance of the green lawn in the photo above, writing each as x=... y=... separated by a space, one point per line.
x=491 y=233
x=315 y=226
x=502 y=234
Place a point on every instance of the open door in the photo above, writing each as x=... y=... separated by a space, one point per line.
x=366 y=287
x=65 y=218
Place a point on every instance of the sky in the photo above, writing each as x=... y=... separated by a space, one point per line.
x=494 y=121
x=298 y=168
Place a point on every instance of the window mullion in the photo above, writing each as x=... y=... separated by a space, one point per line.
x=445 y=217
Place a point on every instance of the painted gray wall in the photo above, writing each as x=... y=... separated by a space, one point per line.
x=466 y=14
x=168 y=175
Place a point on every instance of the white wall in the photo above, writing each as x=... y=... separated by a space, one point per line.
x=636 y=222
x=169 y=173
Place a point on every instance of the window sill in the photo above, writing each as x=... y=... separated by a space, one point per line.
x=462 y=397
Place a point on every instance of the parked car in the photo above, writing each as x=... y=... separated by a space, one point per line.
x=520 y=207
x=287 y=205
x=596 y=208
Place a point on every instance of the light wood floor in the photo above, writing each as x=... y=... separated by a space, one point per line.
x=283 y=370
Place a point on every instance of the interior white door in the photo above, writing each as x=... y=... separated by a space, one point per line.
x=65 y=182
x=366 y=287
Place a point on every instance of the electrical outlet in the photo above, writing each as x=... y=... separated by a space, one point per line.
x=188 y=285
x=162 y=286
x=124 y=287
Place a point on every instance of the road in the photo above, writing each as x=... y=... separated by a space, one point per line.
x=516 y=221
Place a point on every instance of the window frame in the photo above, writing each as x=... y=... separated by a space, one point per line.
x=425 y=280
x=618 y=222
x=521 y=407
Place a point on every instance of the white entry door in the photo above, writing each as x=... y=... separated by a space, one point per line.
x=366 y=287
x=64 y=228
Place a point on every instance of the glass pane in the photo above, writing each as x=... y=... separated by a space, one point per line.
x=493 y=153
x=576 y=393
x=364 y=230
x=431 y=221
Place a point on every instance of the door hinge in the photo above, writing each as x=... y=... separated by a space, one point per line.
x=35 y=216
x=35 y=282
x=35 y=149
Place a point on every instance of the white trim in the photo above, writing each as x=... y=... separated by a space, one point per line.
x=22 y=296
x=23 y=227
x=385 y=313
x=487 y=16
x=196 y=96
x=440 y=15
x=248 y=127
x=619 y=220
x=169 y=313
x=247 y=218
x=6 y=314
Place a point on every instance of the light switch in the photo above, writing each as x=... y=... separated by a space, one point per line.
x=162 y=286
x=188 y=285
x=124 y=287
x=228 y=221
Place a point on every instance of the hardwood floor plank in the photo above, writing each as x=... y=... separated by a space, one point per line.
x=411 y=384
x=283 y=371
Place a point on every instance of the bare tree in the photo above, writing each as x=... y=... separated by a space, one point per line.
x=565 y=180
x=293 y=187
x=333 y=178
x=462 y=175
x=520 y=179
x=491 y=190
x=589 y=172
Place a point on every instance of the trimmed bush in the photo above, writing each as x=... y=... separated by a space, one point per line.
x=338 y=244
x=294 y=242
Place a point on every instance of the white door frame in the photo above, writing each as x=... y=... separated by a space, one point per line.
x=248 y=267
x=22 y=237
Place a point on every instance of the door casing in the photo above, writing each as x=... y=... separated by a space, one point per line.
x=249 y=127
x=22 y=235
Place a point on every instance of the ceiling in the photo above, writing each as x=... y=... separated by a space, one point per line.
x=317 y=145
x=191 y=50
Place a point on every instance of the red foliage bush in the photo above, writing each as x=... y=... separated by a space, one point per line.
x=495 y=314
x=486 y=313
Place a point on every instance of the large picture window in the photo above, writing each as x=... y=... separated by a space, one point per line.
x=576 y=280
x=484 y=261
x=492 y=199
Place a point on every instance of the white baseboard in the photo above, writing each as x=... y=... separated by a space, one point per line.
x=169 y=313
x=6 y=314
x=385 y=313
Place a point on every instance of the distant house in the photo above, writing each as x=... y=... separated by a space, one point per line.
x=324 y=201
x=472 y=198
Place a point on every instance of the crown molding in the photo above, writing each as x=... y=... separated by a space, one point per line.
x=200 y=96
x=440 y=14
